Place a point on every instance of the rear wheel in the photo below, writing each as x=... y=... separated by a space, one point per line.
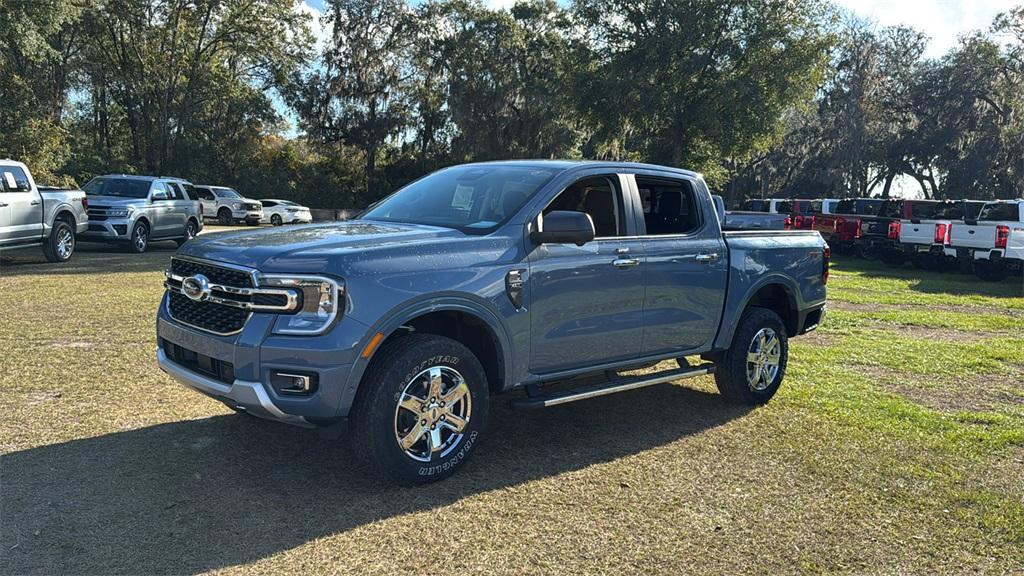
x=191 y=230
x=751 y=371
x=61 y=244
x=421 y=408
x=138 y=242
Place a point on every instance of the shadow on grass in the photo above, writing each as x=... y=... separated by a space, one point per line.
x=932 y=282
x=89 y=258
x=204 y=494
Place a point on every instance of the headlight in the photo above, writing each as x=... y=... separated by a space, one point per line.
x=323 y=300
x=119 y=213
x=237 y=206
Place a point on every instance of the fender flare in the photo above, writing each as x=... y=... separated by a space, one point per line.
x=789 y=286
x=403 y=313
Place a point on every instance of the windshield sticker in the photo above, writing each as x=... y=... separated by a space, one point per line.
x=463 y=197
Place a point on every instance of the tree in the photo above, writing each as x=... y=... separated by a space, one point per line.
x=692 y=82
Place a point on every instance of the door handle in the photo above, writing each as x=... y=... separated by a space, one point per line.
x=34 y=202
x=707 y=258
x=622 y=250
x=3 y=205
x=625 y=262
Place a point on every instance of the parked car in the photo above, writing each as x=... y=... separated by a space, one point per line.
x=137 y=210
x=278 y=212
x=994 y=243
x=31 y=215
x=843 y=228
x=924 y=236
x=227 y=206
x=480 y=279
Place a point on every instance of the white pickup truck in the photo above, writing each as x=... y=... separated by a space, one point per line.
x=925 y=237
x=994 y=243
x=39 y=216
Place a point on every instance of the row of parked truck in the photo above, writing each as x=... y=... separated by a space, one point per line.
x=122 y=209
x=986 y=237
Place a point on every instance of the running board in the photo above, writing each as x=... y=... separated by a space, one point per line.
x=611 y=387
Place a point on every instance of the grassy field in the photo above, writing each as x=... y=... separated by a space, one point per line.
x=896 y=445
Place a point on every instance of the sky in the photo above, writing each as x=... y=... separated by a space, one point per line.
x=944 y=21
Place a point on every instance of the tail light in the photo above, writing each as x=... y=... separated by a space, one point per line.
x=787 y=223
x=894 y=230
x=949 y=236
x=838 y=224
x=826 y=257
x=200 y=208
x=856 y=227
x=85 y=203
x=1002 y=236
x=941 y=233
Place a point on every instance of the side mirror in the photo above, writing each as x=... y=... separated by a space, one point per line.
x=719 y=207
x=564 y=227
x=159 y=195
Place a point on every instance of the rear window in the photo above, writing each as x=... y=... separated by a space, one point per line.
x=784 y=207
x=124 y=187
x=950 y=211
x=924 y=209
x=806 y=206
x=1005 y=212
x=861 y=206
x=755 y=206
x=890 y=209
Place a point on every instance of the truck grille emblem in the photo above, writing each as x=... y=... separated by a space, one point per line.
x=196 y=287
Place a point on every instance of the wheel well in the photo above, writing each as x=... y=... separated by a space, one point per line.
x=143 y=220
x=66 y=216
x=223 y=208
x=467 y=329
x=778 y=299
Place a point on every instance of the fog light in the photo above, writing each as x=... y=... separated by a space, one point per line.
x=293 y=382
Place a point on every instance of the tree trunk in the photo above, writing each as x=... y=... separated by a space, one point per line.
x=888 y=184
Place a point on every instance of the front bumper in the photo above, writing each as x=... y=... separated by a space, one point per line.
x=247 y=215
x=251 y=397
x=110 y=229
x=255 y=353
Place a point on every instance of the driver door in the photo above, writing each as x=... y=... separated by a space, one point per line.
x=587 y=301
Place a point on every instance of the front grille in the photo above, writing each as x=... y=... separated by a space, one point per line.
x=249 y=206
x=207 y=316
x=217 y=369
x=216 y=274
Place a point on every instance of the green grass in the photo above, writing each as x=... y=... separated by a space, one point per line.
x=895 y=445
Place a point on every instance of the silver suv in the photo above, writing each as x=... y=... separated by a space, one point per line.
x=136 y=210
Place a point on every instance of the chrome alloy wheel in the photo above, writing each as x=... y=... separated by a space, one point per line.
x=139 y=238
x=432 y=412
x=763 y=359
x=65 y=243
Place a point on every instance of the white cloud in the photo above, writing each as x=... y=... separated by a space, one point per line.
x=321 y=33
x=944 y=21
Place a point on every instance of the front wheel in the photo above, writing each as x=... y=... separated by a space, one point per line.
x=61 y=244
x=224 y=217
x=751 y=371
x=139 y=240
x=275 y=219
x=421 y=408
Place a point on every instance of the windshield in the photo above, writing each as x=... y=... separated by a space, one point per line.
x=225 y=193
x=124 y=187
x=473 y=198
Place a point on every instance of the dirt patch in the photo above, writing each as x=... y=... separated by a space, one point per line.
x=947 y=394
x=815 y=338
x=968 y=309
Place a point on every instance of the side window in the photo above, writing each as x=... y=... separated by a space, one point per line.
x=205 y=193
x=14 y=179
x=268 y=203
x=670 y=206
x=599 y=197
x=190 y=191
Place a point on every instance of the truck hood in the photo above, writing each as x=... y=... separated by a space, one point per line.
x=315 y=248
x=115 y=201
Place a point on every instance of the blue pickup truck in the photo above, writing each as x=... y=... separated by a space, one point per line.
x=548 y=279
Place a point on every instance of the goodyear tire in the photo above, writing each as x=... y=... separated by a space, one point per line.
x=421 y=409
x=751 y=371
x=61 y=244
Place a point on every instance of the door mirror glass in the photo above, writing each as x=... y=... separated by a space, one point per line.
x=564 y=227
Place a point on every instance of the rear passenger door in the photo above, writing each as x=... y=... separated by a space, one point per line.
x=587 y=301
x=686 y=265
